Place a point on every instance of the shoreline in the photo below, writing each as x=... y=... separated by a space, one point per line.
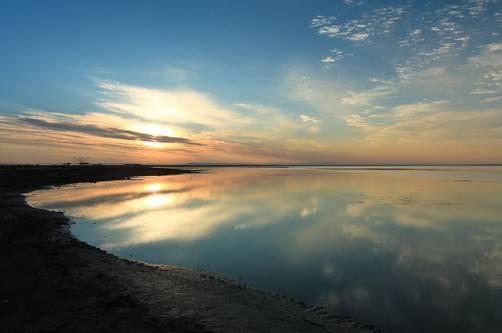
x=51 y=281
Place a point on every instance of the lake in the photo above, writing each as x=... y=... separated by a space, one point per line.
x=407 y=249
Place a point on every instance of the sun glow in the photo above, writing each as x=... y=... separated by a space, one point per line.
x=153 y=144
x=154 y=129
x=153 y=187
x=158 y=200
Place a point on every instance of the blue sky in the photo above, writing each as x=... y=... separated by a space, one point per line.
x=252 y=81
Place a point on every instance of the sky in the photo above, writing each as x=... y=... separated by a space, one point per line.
x=326 y=81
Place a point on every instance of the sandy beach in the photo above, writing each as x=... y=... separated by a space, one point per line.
x=52 y=282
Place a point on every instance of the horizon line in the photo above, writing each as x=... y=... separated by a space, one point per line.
x=236 y=164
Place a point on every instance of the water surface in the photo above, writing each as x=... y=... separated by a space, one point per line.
x=415 y=250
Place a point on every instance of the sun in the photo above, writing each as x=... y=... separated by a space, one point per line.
x=153 y=144
x=155 y=131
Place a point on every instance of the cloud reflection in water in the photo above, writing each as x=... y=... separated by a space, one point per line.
x=377 y=244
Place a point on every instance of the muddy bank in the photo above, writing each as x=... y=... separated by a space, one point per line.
x=51 y=282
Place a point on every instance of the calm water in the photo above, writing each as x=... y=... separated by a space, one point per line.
x=408 y=250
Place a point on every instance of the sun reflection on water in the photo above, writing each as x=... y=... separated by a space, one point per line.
x=158 y=200
x=154 y=187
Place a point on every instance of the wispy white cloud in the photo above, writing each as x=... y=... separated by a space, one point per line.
x=483 y=92
x=489 y=60
x=356 y=120
x=328 y=60
x=134 y=123
x=429 y=39
x=478 y=7
x=453 y=31
x=490 y=56
x=494 y=75
x=254 y=108
x=173 y=74
x=335 y=55
x=353 y=2
x=366 y=96
x=173 y=106
x=431 y=123
x=378 y=22
x=308 y=119
x=492 y=99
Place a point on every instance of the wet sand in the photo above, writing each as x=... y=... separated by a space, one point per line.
x=52 y=282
